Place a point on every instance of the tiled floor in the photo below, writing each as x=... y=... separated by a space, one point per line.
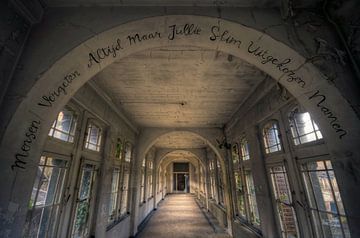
x=179 y=217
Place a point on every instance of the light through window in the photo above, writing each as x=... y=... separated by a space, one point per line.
x=303 y=128
x=244 y=149
x=254 y=213
x=327 y=210
x=284 y=202
x=114 y=195
x=64 y=126
x=93 y=138
x=271 y=137
x=45 y=202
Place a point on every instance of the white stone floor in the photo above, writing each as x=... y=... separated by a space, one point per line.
x=178 y=216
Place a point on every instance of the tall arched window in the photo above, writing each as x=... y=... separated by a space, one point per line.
x=303 y=127
x=271 y=136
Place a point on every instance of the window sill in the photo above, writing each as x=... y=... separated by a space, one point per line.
x=309 y=144
x=248 y=226
x=117 y=221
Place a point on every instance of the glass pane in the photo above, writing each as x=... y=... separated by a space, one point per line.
x=93 y=139
x=81 y=217
x=283 y=200
x=271 y=137
x=303 y=128
x=46 y=197
x=81 y=223
x=63 y=127
x=328 y=212
x=235 y=155
x=240 y=195
x=124 y=200
x=128 y=150
x=254 y=213
x=245 y=149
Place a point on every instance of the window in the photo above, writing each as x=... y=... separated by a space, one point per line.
x=119 y=149
x=303 y=127
x=142 y=185
x=128 y=152
x=45 y=202
x=239 y=188
x=283 y=199
x=244 y=149
x=125 y=191
x=114 y=195
x=327 y=210
x=150 y=179
x=84 y=201
x=271 y=137
x=64 y=126
x=124 y=207
x=251 y=197
x=118 y=205
x=212 y=179
x=220 y=183
x=93 y=137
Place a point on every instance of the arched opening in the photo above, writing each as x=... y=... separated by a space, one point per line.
x=27 y=131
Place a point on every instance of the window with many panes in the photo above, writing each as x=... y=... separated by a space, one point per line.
x=93 y=137
x=118 y=205
x=46 y=198
x=271 y=137
x=284 y=203
x=326 y=207
x=63 y=128
x=303 y=127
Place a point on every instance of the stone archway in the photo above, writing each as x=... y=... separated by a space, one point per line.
x=26 y=132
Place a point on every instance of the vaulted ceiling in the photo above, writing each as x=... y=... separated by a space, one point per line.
x=179 y=87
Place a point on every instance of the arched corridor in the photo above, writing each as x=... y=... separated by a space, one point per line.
x=179 y=119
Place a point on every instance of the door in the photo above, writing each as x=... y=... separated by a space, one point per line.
x=85 y=200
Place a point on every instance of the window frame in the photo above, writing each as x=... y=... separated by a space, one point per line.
x=279 y=145
x=125 y=170
x=73 y=125
x=100 y=139
x=298 y=137
x=243 y=167
x=315 y=223
x=60 y=195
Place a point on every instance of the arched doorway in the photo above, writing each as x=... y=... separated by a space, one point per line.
x=28 y=128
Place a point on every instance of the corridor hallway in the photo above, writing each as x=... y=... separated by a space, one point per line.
x=178 y=216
